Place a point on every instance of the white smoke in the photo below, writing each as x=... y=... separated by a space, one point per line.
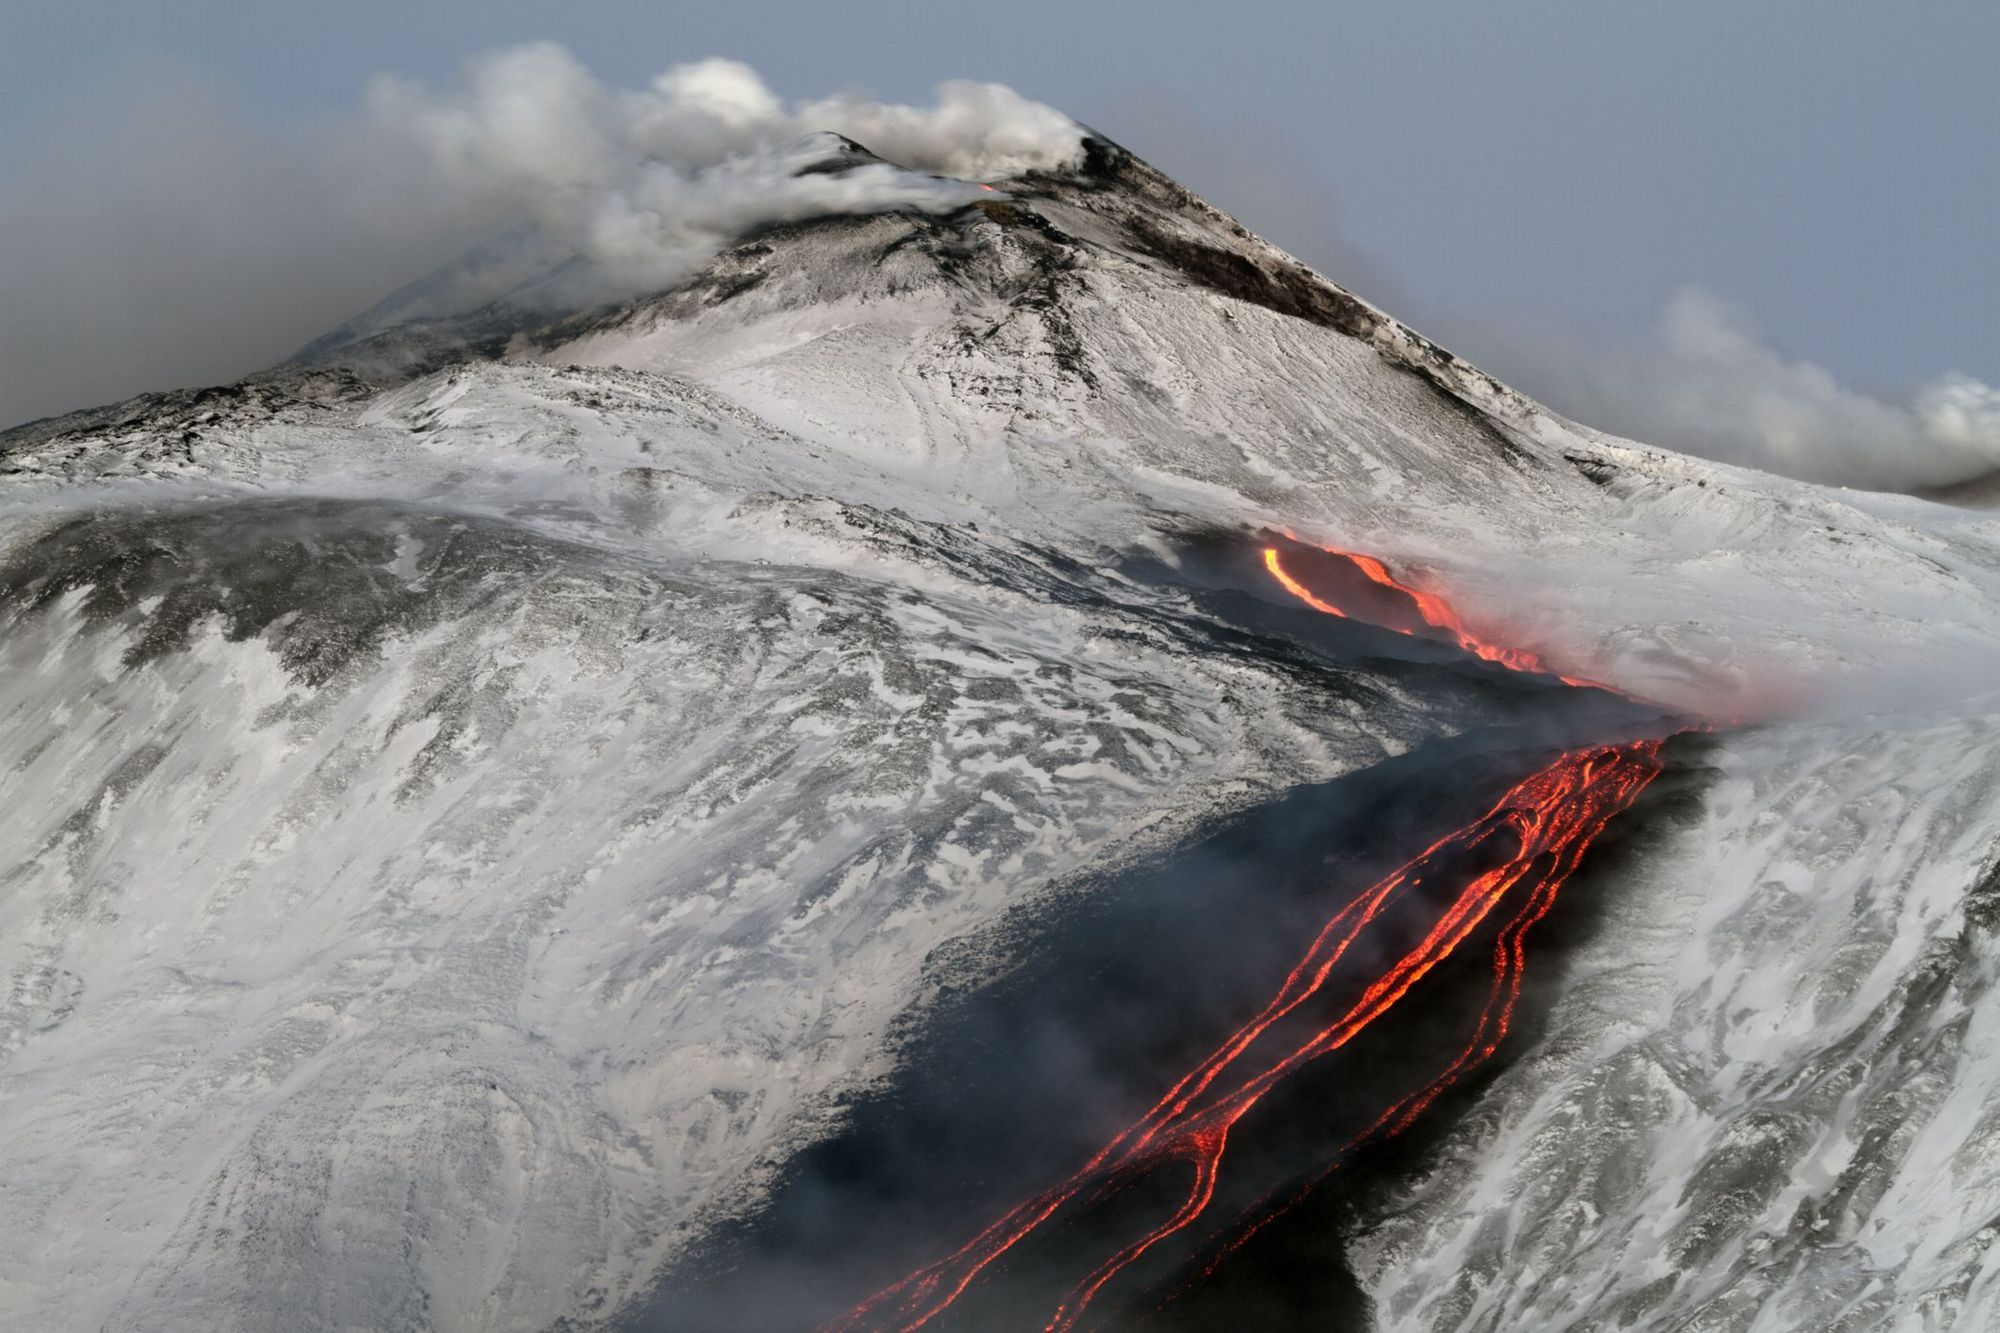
x=645 y=184
x=169 y=241
x=1710 y=382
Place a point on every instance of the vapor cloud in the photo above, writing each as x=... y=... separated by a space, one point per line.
x=645 y=184
x=164 y=240
x=1708 y=381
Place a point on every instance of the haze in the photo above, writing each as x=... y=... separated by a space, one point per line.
x=1754 y=233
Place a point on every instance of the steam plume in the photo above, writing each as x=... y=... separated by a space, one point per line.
x=167 y=241
x=646 y=184
x=1710 y=382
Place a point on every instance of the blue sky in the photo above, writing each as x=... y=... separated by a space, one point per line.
x=1484 y=168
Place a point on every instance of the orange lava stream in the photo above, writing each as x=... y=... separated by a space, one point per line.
x=1540 y=828
x=1433 y=609
x=1495 y=1021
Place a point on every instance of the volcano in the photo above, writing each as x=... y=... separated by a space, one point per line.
x=827 y=795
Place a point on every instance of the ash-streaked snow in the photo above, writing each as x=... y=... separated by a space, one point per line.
x=478 y=798
x=1767 y=1099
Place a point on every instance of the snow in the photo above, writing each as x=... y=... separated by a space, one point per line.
x=1770 y=1080
x=478 y=971
x=481 y=907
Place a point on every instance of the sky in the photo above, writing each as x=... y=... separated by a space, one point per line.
x=1589 y=197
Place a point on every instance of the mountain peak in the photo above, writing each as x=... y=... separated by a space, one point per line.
x=595 y=737
x=1110 y=206
x=833 y=153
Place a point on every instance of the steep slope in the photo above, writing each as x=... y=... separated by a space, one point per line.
x=1110 y=337
x=483 y=794
x=1766 y=1100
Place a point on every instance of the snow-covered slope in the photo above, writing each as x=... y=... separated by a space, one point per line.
x=1768 y=1099
x=476 y=797
x=387 y=872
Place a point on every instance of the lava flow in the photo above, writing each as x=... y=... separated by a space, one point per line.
x=1432 y=609
x=1507 y=865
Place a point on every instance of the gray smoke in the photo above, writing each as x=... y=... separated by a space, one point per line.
x=168 y=241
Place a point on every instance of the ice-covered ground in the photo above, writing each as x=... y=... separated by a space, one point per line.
x=459 y=910
x=1769 y=1097
x=468 y=821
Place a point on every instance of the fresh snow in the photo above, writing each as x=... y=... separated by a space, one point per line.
x=441 y=933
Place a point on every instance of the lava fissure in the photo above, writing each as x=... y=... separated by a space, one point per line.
x=1548 y=818
x=1432 y=610
x=1504 y=992
x=1530 y=842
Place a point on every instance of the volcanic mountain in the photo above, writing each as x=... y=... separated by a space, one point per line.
x=684 y=813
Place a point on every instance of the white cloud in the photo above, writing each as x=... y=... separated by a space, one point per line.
x=1710 y=382
x=646 y=184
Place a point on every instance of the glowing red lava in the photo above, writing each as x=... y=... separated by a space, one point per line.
x=1533 y=838
x=1431 y=608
